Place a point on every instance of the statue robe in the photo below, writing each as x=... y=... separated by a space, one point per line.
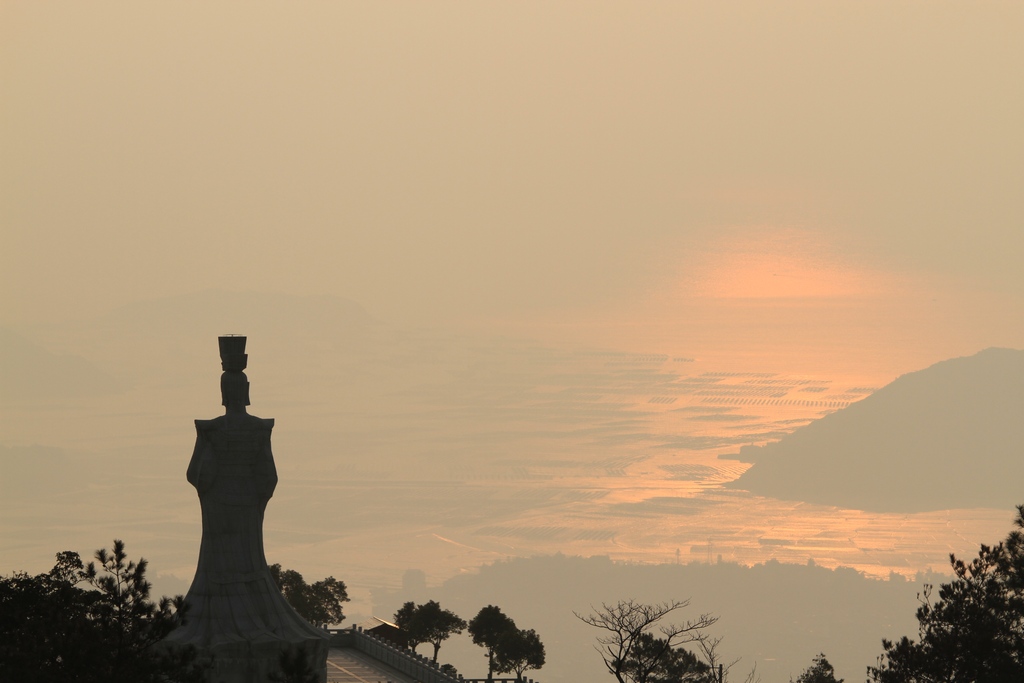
x=236 y=611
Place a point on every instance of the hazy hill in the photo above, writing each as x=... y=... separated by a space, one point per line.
x=160 y=336
x=948 y=436
x=30 y=372
x=775 y=615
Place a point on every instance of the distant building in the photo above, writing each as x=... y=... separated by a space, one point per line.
x=385 y=630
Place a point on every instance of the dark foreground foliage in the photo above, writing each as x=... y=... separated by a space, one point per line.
x=974 y=630
x=295 y=667
x=75 y=624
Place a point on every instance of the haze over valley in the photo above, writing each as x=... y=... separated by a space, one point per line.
x=404 y=449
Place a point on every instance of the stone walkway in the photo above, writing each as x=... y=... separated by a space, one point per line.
x=346 y=665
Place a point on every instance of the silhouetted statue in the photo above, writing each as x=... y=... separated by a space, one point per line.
x=236 y=612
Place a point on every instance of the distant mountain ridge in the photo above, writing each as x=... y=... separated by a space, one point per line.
x=949 y=436
x=218 y=307
x=774 y=615
x=148 y=336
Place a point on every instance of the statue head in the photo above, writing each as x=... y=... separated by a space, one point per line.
x=234 y=385
x=234 y=389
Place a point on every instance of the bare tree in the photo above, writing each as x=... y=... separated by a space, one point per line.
x=632 y=628
x=708 y=648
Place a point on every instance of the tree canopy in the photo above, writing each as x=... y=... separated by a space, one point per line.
x=428 y=623
x=319 y=603
x=518 y=651
x=973 y=630
x=820 y=671
x=670 y=664
x=509 y=649
x=53 y=630
x=486 y=628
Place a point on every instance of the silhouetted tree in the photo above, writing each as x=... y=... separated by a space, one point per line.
x=630 y=651
x=53 y=630
x=487 y=628
x=718 y=670
x=820 y=671
x=671 y=664
x=518 y=651
x=404 y=618
x=428 y=623
x=320 y=603
x=974 y=631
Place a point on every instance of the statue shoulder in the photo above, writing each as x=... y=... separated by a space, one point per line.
x=260 y=422
x=209 y=425
x=249 y=422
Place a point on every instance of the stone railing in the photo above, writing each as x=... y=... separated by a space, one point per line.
x=405 y=660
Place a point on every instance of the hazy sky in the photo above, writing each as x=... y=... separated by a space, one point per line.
x=440 y=162
x=826 y=190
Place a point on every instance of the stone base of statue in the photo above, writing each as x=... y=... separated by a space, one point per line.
x=236 y=613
